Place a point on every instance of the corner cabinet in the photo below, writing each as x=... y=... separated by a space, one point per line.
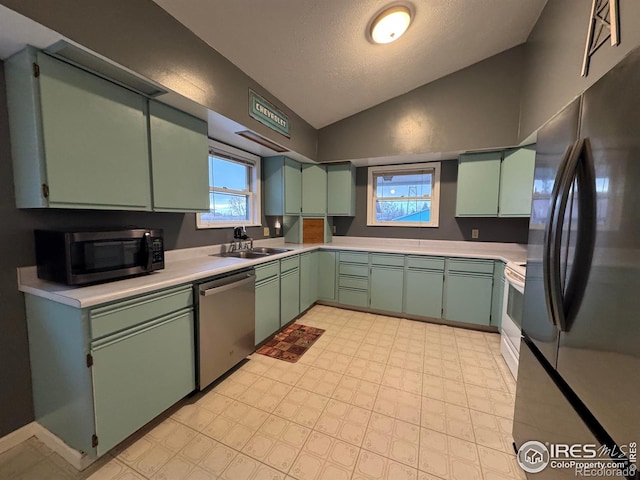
x=78 y=141
x=179 y=160
x=341 y=190
x=282 y=186
x=309 y=277
x=111 y=369
x=314 y=189
x=495 y=184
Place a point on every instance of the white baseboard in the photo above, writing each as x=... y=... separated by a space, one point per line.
x=76 y=459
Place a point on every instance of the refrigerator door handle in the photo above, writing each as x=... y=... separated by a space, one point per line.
x=584 y=173
x=551 y=250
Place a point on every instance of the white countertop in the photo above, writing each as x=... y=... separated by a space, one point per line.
x=193 y=264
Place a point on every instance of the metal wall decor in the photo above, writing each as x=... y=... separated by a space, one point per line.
x=603 y=24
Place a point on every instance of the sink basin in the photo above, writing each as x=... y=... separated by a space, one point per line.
x=258 y=252
x=270 y=251
x=244 y=254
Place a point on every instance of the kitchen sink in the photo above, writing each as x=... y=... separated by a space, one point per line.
x=270 y=251
x=259 y=252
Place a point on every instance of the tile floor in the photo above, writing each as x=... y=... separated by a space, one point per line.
x=374 y=398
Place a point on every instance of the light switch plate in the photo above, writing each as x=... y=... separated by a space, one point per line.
x=334 y=229
x=475 y=233
x=266 y=231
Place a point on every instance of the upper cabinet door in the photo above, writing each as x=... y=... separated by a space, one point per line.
x=516 y=182
x=478 y=184
x=282 y=186
x=179 y=160
x=341 y=190
x=314 y=190
x=95 y=140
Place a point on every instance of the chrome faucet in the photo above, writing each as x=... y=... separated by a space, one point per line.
x=241 y=241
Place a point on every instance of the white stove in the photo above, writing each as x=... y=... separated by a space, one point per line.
x=512 y=306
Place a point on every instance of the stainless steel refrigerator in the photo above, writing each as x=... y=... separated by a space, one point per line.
x=579 y=371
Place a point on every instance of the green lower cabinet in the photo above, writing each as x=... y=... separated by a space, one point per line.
x=386 y=287
x=423 y=292
x=353 y=297
x=327 y=275
x=467 y=298
x=498 y=294
x=308 y=279
x=127 y=368
x=289 y=296
x=267 y=309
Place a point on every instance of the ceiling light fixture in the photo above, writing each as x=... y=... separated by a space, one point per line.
x=390 y=24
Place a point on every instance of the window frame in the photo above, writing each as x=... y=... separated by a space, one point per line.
x=405 y=168
x=226 y=152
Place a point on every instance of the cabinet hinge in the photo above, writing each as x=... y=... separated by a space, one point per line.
x=36 y=70
x=89 y=360
x=94 y=440
x=45 y=190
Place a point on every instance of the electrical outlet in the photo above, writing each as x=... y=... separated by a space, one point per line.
x=475 y=233
x=334 y=229
x=266 y=231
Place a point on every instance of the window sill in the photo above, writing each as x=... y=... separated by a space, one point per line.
x=403 y=224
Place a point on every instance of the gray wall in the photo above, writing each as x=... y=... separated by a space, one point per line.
x=474 y=108
x=144 y=38
x=554 y=52
x=16 y=245
x=451 y=228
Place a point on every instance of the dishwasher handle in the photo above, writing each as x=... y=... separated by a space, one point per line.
x=206 y=292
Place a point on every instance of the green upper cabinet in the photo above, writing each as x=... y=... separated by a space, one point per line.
x=341 y=189
x=478 y=184
x=282 y=186
x=516 y=182
x=179 y=160
x=314 y=189
x=496 y=184
x=78 y=141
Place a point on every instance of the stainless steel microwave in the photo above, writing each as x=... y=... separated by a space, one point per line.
x=85 y=257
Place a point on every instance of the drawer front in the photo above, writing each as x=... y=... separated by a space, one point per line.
x=385 y=259
x=357 y=270
x=267 y=270
x=357 y=298
x=119 y=316
x=474 y=265
x=354 y=282
x=430 y=263
x=289 y=263
x=354 y=257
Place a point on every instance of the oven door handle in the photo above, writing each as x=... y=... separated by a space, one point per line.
x=513 y=280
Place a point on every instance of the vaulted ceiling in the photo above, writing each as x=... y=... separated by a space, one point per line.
x=315 y=57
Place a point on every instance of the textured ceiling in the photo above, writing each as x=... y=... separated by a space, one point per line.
x=314 y=55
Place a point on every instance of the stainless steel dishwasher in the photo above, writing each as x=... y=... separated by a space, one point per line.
x=226 y=323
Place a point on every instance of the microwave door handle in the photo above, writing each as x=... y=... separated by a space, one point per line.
x=549 y=250
x=576 y=284
x=147 y=241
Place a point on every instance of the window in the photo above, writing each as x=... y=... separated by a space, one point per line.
x=404 y=195
x=234 y=188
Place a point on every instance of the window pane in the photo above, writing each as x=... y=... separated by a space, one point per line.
x=227 y=207
x=228 y=174
x=404 y=184
x=403 y=210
